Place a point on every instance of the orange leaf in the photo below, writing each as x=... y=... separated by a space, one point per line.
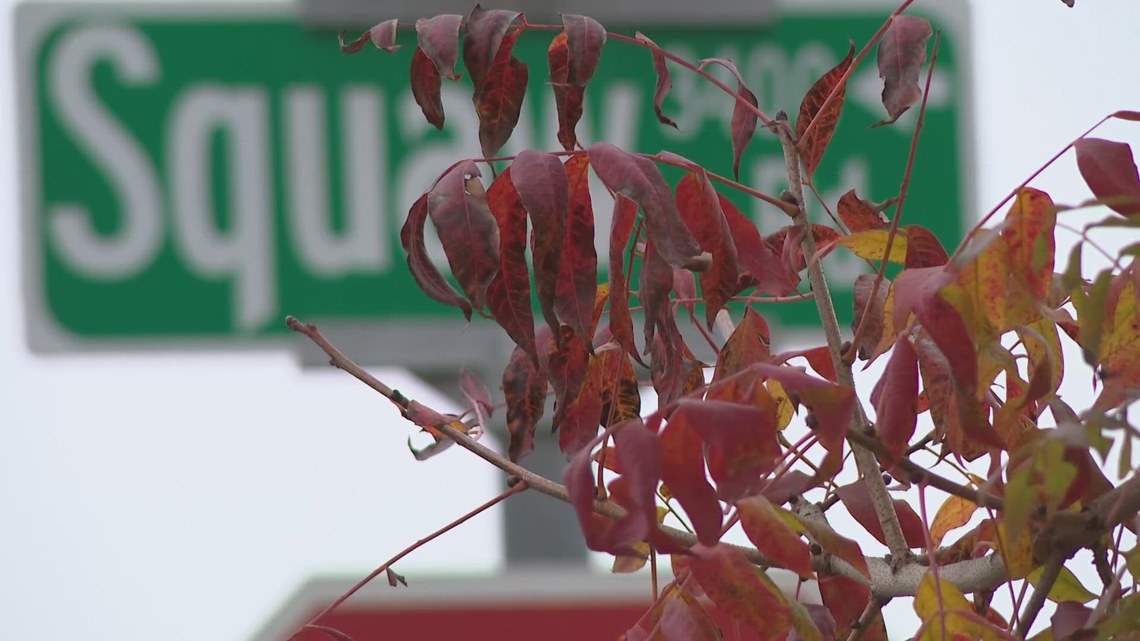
x=954 y=513
x=1029 y=234
x=813 y=146
x=748 y=344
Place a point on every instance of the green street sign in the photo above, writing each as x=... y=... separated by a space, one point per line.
x=200 y=171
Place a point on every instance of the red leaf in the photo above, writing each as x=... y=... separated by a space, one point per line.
x=741 y=440
x=638 y=178
x=656 y=283
x=476 y=392
x=789 y=239
x=772 y=535
x=426 y=85
x=761 y=265
x=1110 y=172
x=543 y=186
x=621 y=393
x=567 y=97
x=813 y=146
x=923 y=249
x=857 y=499
x=749 y=343
x=585 y=38
x=664 y=81
x=683 y=471
x=666 y=360
x=1127 y=115
x=820 y=360
x=621 y=321
x=895 y=398
x=567 y=366
x=741 y=590
x=508 y=297
x=429 y=279
x=683 y=618
x=467 y=229
x=918 y=290
x=382 y=35
x=860 y=215
x=524 y=386
x=482 y=42
x=831 y=404
x=846 y=599
x=787 y=485
x=956 y=413
x=639 y=448
x=579 y=480
x=577 y=283
x=577 y=423
x=685 y=289
x=438 y=37
x=498 y=100
x=700 y=208
x=743 y=118
x=902 y=50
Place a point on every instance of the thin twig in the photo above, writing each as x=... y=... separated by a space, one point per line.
x=511 y=491
x=866 y=462
x=1045 y=582
x=903 y=190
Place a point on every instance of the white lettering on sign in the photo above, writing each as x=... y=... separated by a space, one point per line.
x=244 y=251
x=364 y=243
x=138 y=237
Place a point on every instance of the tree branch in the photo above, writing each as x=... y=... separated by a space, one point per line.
x=865 y=460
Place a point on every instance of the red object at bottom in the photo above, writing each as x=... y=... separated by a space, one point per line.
x=498 y=622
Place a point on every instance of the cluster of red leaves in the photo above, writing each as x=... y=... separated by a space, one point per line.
x=716 y=444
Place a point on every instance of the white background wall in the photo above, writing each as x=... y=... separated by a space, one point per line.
x=184 y=496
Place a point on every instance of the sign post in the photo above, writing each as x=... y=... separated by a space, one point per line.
x=195 y=172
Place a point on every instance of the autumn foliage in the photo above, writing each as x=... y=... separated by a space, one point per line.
x=970 y=341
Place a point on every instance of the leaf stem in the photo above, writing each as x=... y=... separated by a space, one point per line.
x=865 y=460
x=903 y=189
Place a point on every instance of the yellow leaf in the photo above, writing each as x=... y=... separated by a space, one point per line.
x=1017 y=554
x=871 y=244
x=784 y=409
x=935 y=595
x=1066 y=588
x=954 y=513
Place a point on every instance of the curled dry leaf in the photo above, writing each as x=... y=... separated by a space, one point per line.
x=438 y=38
x=467 y=230
x=902 y=50
x=812 y=108
x=382 y=35
x=664 y=80
x=567 y=97
x=426 y=86
x=860 y=215
x=482 y=42
x=744 y=113
x=430 y=281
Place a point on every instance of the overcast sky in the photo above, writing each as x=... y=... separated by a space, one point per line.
x=185 y=496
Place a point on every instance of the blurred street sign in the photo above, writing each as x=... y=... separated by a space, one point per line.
x=196 y=171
